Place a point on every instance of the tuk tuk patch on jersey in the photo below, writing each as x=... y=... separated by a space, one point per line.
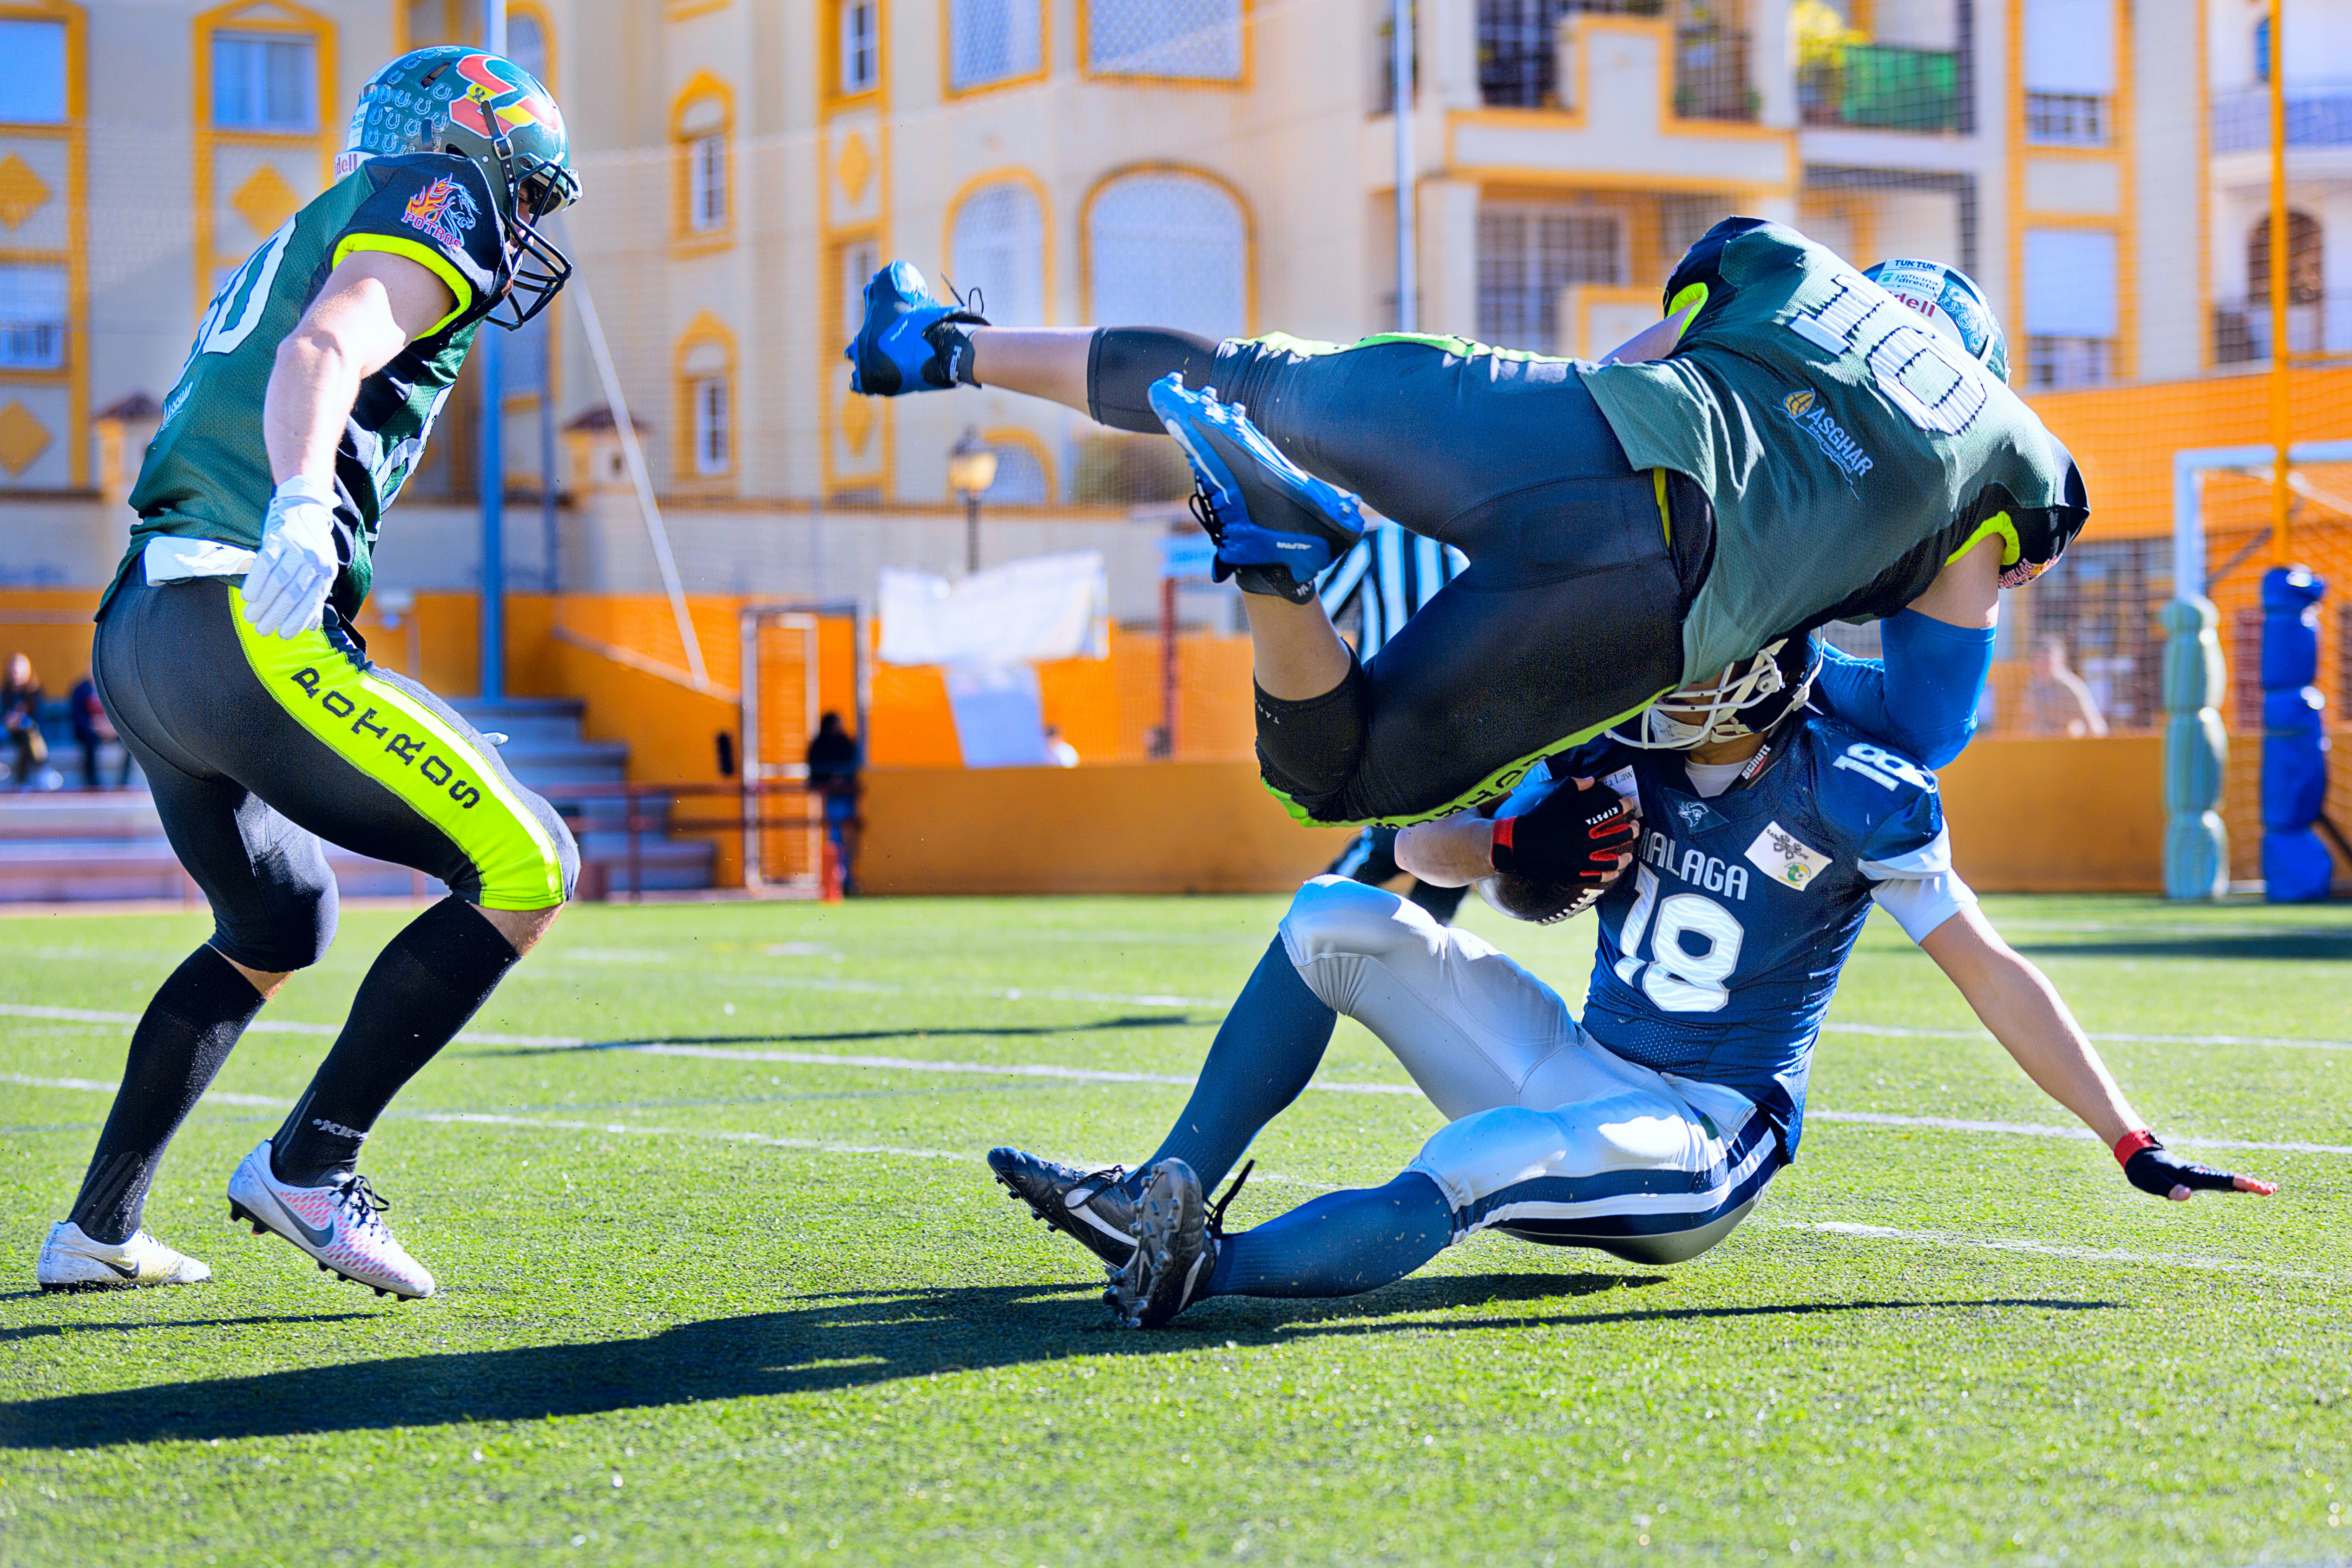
x=1786 y=858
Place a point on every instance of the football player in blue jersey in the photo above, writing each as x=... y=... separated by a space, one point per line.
x=1760 y=832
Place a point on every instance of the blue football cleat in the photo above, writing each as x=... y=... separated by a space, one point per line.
x=1275 y=526
x=910 y=340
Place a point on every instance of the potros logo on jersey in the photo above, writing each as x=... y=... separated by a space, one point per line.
x=445 y=210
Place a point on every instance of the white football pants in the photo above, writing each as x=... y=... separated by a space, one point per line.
x=1552 y=1138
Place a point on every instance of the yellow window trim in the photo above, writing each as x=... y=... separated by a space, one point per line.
x=393 y=244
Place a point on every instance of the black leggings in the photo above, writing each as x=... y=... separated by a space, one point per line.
x=1570 y=615
x=260 y=748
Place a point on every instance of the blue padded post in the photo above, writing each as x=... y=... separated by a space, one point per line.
x=2296 y=866
x=2196 y=753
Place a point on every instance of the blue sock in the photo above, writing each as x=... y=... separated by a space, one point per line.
x=1266 y=1050
x=1341 y=1244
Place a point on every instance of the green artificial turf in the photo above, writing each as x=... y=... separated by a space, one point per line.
x=712 y=1309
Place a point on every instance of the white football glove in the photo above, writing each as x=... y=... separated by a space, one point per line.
x=286 y=591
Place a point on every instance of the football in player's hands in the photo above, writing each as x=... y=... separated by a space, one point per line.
x=1555 y=854
x=1580 y=831
x=2154 y=1169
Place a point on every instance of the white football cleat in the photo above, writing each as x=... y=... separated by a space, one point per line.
x=338 y=1226
x=72 y=1261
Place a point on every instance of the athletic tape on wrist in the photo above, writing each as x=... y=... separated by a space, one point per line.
x=2133 y=1143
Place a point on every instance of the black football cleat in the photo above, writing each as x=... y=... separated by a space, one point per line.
x=1091 y=1205
x=1175 y=1250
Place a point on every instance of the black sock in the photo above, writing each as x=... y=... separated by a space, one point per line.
x=417 y=995
x=185 y=1034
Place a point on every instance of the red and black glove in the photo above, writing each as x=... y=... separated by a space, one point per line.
x=2147 y=1166
x=1577 y=835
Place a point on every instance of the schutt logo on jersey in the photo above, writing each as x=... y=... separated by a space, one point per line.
x=1804 y=407
x=445 y=210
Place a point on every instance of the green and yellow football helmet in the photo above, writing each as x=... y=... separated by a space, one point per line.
x=485 y=108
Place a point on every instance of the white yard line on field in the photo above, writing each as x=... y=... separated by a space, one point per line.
x=1143 y=998
x=2037 y=1249
x=1841 y=1229
x=1178 y=1080
x=2289 y=1042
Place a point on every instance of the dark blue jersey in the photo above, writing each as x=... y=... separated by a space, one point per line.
x=1720 y=949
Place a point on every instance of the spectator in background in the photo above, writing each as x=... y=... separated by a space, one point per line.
x=92 y=729
x=2056 y=700
x=1060 y=752
x=20 y=717
x=834 y=761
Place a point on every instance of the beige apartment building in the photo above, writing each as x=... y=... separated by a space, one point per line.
x=1222 y=165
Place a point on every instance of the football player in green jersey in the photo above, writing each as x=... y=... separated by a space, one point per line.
x=225 y=658
x=1796 y=442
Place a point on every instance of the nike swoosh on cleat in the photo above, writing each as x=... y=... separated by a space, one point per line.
x=317 y=1238
x=128 y=1271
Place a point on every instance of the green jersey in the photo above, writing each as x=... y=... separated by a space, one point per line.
x=1848 y=451
x=206 y=474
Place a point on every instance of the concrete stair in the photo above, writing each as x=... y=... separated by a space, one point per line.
x=74 y=845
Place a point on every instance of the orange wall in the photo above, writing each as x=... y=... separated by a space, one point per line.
x=60 y=649
x=2058 y=815
x=1164 y=827
x=2027 y=816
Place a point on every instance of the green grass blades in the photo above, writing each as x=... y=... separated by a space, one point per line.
x=724 y=1280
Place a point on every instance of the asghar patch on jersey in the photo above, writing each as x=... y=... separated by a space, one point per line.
x=1786 y=858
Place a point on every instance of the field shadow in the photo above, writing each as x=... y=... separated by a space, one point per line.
x=820 y=1344
x=853 y=1036
x=2303 y=946
x=39 y=1331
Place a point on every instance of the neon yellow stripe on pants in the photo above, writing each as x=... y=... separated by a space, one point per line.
x=408 y=749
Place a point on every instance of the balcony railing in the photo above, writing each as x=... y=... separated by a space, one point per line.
x=1881 y=86
x=1519 y=56
x=2241 y=329
x=2315 y=117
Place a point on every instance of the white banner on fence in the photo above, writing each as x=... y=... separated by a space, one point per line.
x=1000 y=718
x=1046 y=607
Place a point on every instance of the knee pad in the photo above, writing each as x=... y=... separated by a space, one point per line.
x=1485 y=1152
x=293 y=933
x=1308 y=751
x=1336 y=918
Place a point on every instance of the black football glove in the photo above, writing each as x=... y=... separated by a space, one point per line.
x=2153 y=1169
x=1578 y=836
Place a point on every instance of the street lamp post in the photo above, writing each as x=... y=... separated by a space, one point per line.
x=971 y=468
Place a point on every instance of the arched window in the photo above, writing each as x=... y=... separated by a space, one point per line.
x=992 y=41
x=706 y=402
x=1023 y=478
x=1168 y=249
x=702 y=124
x=996 y=243
x=2305 y=269
x=1197 y=39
